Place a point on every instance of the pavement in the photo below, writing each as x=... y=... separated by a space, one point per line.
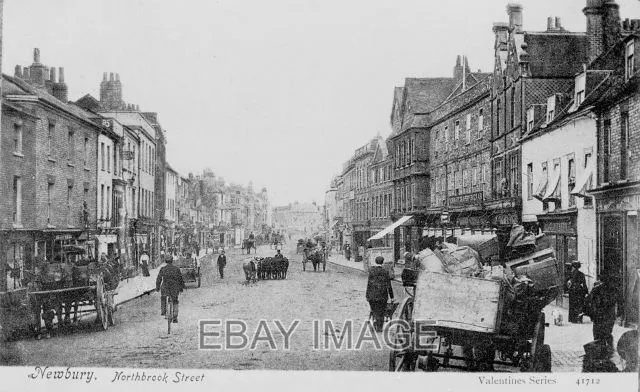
x=566 y=340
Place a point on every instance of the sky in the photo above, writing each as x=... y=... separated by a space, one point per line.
x=277 y=92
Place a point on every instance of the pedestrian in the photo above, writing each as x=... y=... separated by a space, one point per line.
x=378 y=292
x=601 y=308
x=278 y=255
x=578 y=290
x=347 y=252
x=144 y=262
x=222 y=262
x=170 y=284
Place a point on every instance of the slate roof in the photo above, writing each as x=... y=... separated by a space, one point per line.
x=552 y=54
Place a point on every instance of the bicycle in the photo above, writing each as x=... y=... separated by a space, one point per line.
x=169 y=314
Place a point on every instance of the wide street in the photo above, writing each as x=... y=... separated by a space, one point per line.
x=139 y=338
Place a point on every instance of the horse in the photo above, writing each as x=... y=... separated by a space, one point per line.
x=248 y=244
x=250 y=268
x=315 y=256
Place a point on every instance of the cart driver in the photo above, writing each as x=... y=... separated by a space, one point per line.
x=170 y=284
x=278 y=255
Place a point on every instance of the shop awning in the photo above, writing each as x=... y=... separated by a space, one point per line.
x=542 y=188
x=391 y=227
x=553 y=187
x=584 y=181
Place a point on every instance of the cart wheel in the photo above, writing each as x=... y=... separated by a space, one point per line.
x=101 y=304
x=199 y=278
x=403 y=360
x=111 y=309
x=537 y=344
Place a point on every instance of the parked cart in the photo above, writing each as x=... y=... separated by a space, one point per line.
x=470 y=323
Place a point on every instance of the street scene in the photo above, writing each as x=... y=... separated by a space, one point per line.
x=192 y=208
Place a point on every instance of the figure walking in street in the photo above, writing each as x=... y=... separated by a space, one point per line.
x=222 y=262
x=144 y=263
x=601 y=308
x=170 y=284
x=278 y=255
x=577 y=285
x=347 y=252
x=379 y=290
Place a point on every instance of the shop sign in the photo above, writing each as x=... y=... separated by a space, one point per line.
x=444 y=217
x=474 y=198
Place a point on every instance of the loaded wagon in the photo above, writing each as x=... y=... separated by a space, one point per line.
x=76 y=286
x=475 y=323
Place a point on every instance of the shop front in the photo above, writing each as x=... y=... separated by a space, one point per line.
x=617 y=209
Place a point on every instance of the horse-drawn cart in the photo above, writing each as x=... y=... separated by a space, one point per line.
x=190 y=270
x=470 y=323
x=315 y=256
x=73 y=286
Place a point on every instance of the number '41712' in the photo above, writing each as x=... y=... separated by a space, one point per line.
x=588 y=381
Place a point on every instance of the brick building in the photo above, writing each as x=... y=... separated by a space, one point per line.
x=529 y=68
x=459 y=159
x=48 y=168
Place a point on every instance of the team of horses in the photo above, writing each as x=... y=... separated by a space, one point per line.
x=265 y=268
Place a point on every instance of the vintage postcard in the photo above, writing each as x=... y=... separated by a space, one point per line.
x=224 y=194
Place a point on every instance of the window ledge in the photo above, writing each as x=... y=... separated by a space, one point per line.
x=17 y=225
x=71 y=164
x=50 y=226
x=18 y=154
x=87 y=168
x=50 y=159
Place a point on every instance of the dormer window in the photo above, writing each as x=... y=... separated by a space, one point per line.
x=629 y=61
x=530 y=118
x=551 y=108
x=581 y=82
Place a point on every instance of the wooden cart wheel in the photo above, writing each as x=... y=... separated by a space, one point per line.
x=101 y=304
x=199 y=278
x=403 y=360
x=537 y=345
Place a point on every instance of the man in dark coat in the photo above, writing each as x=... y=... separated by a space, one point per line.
x=222 y=262
x=347 y=252
x=577 y=285
x=378 y=291
x=601 y=308
x=278 y=255
x=170 y=284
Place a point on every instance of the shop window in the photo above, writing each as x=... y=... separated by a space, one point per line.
x=15 y=266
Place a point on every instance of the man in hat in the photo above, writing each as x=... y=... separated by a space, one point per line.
x=601 y=308
x=378 y=291
x=170 y=284
x=577 y=285
x=222 y=262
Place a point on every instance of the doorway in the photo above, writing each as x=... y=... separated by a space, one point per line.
x=612 y=254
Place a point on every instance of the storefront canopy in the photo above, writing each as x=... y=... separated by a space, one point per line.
x=584 y=181
x=542 y=188
x=391 y=227
x=553 y=187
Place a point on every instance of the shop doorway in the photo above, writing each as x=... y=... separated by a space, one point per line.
x=612 y=254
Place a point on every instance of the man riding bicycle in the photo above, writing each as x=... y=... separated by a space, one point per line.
x=170 y=284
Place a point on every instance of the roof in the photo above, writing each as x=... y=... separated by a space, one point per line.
x=557 y=54
x=424 y=94
x=16 y=86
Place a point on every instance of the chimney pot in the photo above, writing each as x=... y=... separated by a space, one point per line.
x=61 y=74
x=117 y=77
x=18 y=72
x=111 y=77
x=26 y=73
x=514 y=11
x=550 y=23
x=36 y=55
x=52 y=75
x=558 y=23
x=104 y=76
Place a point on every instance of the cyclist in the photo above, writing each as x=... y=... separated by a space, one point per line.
x=170 y=284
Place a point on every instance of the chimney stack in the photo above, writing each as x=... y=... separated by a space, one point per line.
x=514 y=11
x=18 y=72
x=558 y=23
x=26 y=74
x=61 y=74
x=52 y=75
x=501 y=30
x=36 y=56
x=60 y=89
x=104 y=76
x=603 y=26
x=551 y=24
x=111 y=77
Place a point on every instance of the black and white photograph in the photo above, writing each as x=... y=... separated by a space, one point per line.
x=305 y=194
